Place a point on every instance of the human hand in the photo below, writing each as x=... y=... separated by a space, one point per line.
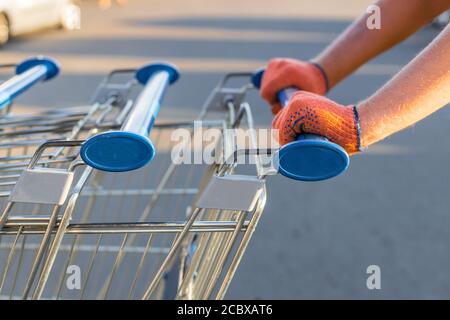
x=284 y=73
x=311 y=113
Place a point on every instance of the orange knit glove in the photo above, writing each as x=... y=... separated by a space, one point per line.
x=289 y=73
x=311 y=113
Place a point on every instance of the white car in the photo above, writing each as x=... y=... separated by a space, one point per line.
x=22 y=16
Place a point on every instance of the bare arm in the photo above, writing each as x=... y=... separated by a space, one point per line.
x=420 y=89
x=358 y=44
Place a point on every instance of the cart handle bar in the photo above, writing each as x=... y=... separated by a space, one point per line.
x=311 y=157
x=130 y=148
x=28 y=73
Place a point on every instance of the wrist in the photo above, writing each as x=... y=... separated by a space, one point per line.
x=356 y=116
x=328 y=65
x=323 y=75
x=368 y=135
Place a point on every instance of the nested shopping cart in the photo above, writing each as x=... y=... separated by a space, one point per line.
x=90 y=212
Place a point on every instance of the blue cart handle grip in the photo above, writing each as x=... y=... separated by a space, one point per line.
x=28 y=73
x=311 y=157
x=130 y=148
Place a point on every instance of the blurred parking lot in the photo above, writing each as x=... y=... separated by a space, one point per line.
x=315 y=240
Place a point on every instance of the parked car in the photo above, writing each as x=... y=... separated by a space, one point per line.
x=23 y=16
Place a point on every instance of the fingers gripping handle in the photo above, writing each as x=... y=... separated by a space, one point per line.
x=310 y=157
x=130 y=148
x=28 y=73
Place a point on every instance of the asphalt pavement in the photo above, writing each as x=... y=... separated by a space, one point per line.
x=315 y=240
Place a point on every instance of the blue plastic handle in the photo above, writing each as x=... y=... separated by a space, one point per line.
x=28 y=73
x=310 y=157
x=130 y=148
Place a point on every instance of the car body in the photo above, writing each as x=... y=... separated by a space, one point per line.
x=23 y=16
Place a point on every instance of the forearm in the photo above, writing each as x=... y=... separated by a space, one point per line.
x=421 y=88
x=358 y=44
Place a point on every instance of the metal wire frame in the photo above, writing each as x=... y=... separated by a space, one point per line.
x=204 y=248
x=21 y=135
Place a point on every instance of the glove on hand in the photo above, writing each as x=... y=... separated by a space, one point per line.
x=289 y=73
x=311 y=113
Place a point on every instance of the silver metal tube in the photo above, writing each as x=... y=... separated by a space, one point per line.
x=130 y=148
x=147 y=106
x=29 y=72
x=124 y=228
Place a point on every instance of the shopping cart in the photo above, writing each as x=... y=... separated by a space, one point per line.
x=76 y=224
x=27 y=74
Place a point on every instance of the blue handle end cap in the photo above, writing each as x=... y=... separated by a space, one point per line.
x=117 y=151
x=257 y=78
x=312 y=160
x=51 y=64
x=146 y=72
